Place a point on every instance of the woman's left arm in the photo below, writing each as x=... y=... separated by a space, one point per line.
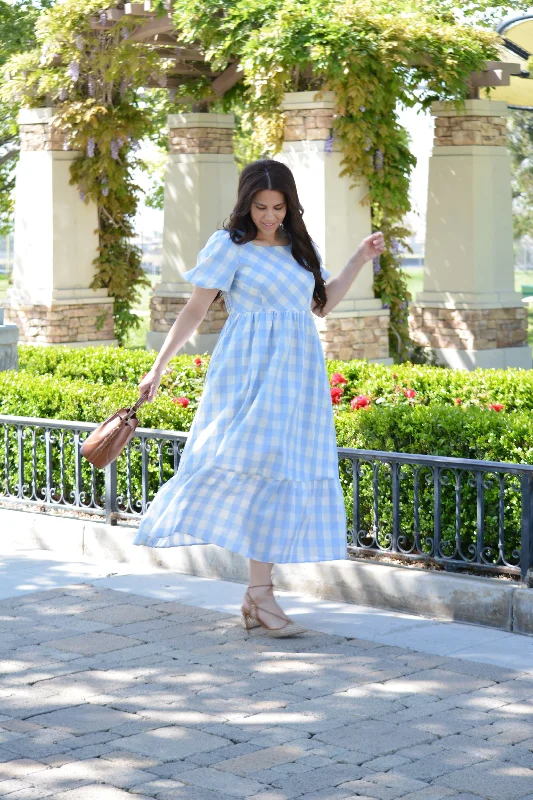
x=370 y=247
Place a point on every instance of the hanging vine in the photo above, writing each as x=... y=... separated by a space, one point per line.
x=90 y=76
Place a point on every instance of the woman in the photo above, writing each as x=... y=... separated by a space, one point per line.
x=259 y=471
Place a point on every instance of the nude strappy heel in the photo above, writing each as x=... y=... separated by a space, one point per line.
x=250 y=618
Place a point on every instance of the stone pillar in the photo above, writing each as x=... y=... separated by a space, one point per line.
x=55 y=244
x=469 y=312
x=9 y=335
x=200 y=193
x=336 y=221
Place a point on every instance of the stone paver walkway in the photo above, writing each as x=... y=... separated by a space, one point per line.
x=105 y=695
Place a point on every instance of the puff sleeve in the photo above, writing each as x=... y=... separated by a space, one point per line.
x=324 y=272
x=216 y=264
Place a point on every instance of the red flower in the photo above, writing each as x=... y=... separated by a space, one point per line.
x=497 y=406
x=336 y=394
x=182 y=401
x=458 y=401
x=198 y=361
x=337 y=378
x=361 y=401
x=409 y=393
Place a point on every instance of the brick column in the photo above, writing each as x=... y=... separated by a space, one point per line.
x=55 y=244
x=469 y=312
x=337 y=221
x=200 y=192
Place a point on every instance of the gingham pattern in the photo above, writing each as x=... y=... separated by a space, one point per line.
x=259 y=471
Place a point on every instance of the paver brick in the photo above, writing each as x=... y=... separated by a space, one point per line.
x=496 y=780
x=88 y=644
x=171 y=743
x=84 y=719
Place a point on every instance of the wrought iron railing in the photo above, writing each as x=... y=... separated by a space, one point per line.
x=456 y=513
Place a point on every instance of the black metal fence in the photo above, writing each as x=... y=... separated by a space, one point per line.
x=456 y=513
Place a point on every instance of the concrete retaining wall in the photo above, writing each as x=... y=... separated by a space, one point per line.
x=462 y=598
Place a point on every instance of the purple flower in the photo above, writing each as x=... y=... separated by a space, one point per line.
x=91 y=86
x=385 y=305
x=394 y=246
x=105 y=187
x=103 y=17
x=329 y=144
x=79 y=42
x=362 y=109
x=135 y=145
x=125 y=33
x=82 y=194
x=376 y=265
x=90 y=146
x=63 y=93
x=378 y=160
x=403 y=305
x=74 y=70
x=123 y=86
x=114 y=148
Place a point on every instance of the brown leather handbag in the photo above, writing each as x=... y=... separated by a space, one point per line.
x=109 y=439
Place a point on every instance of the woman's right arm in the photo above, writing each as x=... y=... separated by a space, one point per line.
x=186 y=323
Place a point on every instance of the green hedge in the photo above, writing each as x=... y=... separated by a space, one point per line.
x=513 y=388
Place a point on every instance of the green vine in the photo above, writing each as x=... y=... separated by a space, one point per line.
x=371 y=55
x=91 y=76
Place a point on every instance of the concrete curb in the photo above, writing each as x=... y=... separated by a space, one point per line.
x=461 y=598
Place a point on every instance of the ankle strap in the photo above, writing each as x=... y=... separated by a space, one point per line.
x=261 y=586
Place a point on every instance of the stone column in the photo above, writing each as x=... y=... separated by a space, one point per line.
x=200 y=193
x=469 y=312
x=336 y=221
x=55 y=244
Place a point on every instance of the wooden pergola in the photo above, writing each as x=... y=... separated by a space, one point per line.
x=158 y=30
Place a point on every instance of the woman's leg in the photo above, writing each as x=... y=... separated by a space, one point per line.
x=270 y=613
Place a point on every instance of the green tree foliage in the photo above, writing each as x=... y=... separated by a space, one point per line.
x=521 y=148
x=17 y=23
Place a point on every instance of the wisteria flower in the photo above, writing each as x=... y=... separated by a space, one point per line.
x=90 y=146
x=376 y=265
x=79 y=42
x=103 y=17
x=91 y=86
x=329 y=144
x=74 y=70
x=114 y=149
x=63 y=94
x=378 y=160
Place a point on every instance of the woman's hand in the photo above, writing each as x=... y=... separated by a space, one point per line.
x=371 y=247
x=150 y=383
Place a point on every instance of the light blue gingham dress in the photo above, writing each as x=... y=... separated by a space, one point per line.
x=259 y=472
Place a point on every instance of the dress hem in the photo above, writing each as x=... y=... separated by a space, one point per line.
x=166 y=542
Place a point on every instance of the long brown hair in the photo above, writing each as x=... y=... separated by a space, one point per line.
x=269 y=174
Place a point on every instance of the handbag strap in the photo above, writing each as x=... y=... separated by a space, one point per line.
x=133 y=410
